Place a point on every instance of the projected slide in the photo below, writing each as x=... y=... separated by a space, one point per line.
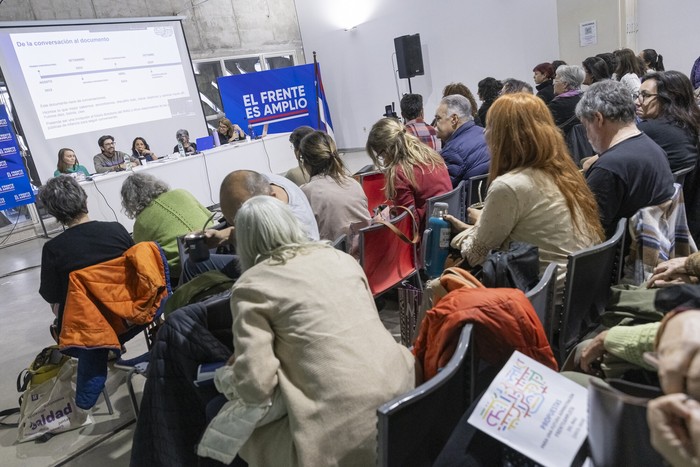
x=90 y=80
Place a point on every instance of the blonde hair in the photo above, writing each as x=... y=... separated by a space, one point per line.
x=521 y=134
x=319 y=156
x=390 y=147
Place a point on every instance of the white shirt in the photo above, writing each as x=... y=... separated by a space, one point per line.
x=298 y=203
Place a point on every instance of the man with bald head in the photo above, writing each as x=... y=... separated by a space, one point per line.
x=237 y=188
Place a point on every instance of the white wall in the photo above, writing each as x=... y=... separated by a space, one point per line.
x=463 y=40
x=671 y=28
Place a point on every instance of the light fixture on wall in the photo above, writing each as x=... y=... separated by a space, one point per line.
x=348 y=14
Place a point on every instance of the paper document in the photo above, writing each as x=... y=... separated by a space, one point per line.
x=534 y=410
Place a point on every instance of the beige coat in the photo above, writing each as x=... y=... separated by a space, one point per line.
x=525 y=206
x=310 y=327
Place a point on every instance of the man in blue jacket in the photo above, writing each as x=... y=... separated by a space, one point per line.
x=463 y=144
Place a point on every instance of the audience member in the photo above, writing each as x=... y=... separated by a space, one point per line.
x=666 y=105
x=557 y=63
x=610 y=61
x=236 y=188
x=414 y=172
x=533 y=180
x=674 y=420
x=68 y=164
x=462 y=90
x=544 y=76
x=512 y=85
x=676 y=271
x=632 y=171
x=652 y=60
x=229 y=132
x=297 y=174
x=161 y=215
x=412 y=113
x=336 y=198
x=596 y=70
x=674 y=425
x=82 y=244
x=464 y=147
x=318 y=354
x=488 y=90
x=183 y=137
x=630 y=69
x=142 y=151
x=111 y=160
x=567 y=91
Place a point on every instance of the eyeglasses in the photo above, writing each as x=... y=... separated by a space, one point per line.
x=643 y=95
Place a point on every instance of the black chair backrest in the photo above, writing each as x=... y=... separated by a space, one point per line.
x=542 y=298
x=679 y=175
x=414 y=427
x=477 y=188
x=589 y=275
x=341 y=243
x=455 y=199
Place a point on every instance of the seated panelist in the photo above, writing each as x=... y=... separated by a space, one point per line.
x=183 y=137
x=142 y=151
x=111 y=160
x=68 y=164
x=229 y=132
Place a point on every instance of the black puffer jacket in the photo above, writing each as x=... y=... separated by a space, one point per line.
x=172 y=416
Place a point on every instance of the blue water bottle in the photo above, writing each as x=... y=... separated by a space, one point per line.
x=439 y=245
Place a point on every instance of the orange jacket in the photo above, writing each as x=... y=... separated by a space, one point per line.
x=503 y=319
x=105 y=299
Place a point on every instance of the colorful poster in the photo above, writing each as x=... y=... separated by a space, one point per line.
x=15 y=188
x=535 y=411
x=283 y=99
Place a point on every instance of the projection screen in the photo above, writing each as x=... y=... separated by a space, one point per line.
x=74 y=81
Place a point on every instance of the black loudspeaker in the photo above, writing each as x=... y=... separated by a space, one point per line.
x=409 y=56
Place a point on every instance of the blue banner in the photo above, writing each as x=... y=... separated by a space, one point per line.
x=15 y=188
x=284 y=99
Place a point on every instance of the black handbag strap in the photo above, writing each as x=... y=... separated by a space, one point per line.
x=6 y=413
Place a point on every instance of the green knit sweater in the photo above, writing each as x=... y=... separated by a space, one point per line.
x=172 y=214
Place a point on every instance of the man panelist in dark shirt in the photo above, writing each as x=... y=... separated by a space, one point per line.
x=111 y=160
x=631 y=170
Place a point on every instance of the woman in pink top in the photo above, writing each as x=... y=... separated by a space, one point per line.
x=413 y=171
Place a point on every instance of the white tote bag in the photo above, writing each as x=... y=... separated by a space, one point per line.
x=50 y=406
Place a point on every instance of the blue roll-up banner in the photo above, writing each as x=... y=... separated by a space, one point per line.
x=284 y=99
x=15 y=188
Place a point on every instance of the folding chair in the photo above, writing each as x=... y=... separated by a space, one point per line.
x=386 y=259
x=590 y=273
x=373 y=186
x=413 y=428
x=341 y=243
x=679 y=175
x=542 y=297
x=457 y=207
x=477 y=187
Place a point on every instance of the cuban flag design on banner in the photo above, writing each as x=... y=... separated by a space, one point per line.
x=283 y=99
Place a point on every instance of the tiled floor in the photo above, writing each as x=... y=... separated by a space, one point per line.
x=24 y=322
